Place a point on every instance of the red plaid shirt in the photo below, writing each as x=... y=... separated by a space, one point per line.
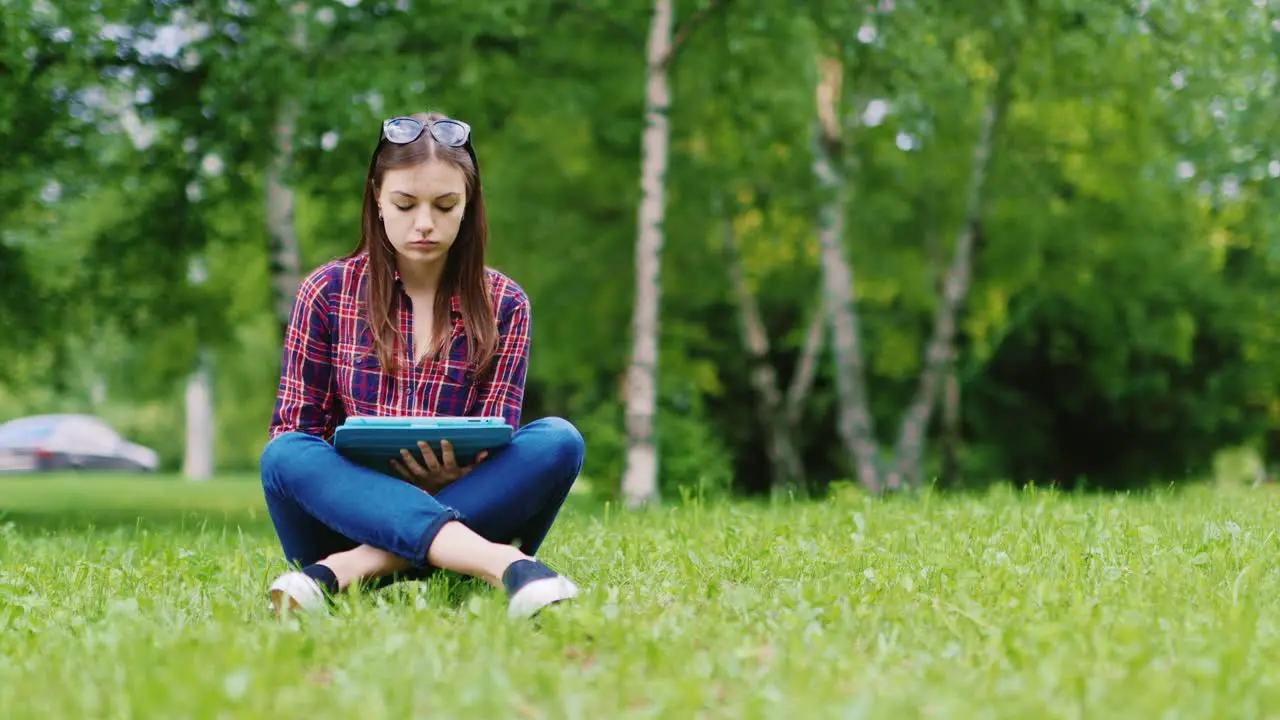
x=329 y=371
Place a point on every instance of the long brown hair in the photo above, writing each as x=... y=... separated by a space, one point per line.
x=464 y=268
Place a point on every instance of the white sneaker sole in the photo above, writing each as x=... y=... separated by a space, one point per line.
x=538 y=594
x=294 y=591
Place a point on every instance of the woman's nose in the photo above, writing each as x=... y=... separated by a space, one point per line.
x=423 y=223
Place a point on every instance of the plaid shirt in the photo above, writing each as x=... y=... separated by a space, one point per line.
x=329 y=371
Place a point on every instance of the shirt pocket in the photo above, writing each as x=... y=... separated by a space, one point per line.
x=457 y=382
x=361 y=382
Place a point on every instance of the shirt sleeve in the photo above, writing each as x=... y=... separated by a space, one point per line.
x=304 y=398
x=501 y=392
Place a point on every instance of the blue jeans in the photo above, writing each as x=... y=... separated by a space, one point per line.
x=321 y=503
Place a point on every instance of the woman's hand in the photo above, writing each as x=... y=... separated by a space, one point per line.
x=438 y=474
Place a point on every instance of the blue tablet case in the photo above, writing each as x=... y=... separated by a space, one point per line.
x=375 y=441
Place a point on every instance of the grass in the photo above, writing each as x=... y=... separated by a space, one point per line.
x=144 y=598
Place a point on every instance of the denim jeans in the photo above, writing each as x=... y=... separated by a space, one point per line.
x=321 y=503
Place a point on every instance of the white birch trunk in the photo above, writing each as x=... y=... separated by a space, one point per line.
x=197 y=458
x=807 y=365
x=940 y=351
x=640 y=478
x=286 y=256
x=855 y=424
x=951 y=438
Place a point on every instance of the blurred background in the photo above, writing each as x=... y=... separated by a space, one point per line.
x=870 y=244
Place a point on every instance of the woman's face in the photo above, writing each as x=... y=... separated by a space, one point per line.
x=422 y=209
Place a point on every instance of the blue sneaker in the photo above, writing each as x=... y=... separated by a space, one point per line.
x=532 y=586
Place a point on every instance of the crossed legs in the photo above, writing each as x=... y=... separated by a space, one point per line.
x=360 y=524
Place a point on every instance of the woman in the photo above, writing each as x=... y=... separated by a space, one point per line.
x=413 y=323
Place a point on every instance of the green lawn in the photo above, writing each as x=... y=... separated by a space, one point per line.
x=144 y=598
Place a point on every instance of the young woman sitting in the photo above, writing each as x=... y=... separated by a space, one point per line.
x=414 y=323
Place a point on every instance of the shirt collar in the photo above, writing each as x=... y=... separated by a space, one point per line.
x=455 y=302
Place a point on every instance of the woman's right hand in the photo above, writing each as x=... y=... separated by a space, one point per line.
x=438 y=473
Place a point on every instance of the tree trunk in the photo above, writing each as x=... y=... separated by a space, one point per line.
x=198 y=426
x=640 y=478
x=787 y=472
x=197 y=458
x=940 y=351
x=285 y=256
x=950 y=440
x=807 y=364
x=951 y=437
x=857 y=430
x=286 y=260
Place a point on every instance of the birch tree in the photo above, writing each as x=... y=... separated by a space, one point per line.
x=940 y=351
x=856 y=426
x=285 y=255
x=857 y=430
x=640 y=479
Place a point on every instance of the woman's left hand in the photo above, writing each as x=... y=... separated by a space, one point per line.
x=438 y=473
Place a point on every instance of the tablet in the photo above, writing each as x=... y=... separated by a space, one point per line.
x=375 y=441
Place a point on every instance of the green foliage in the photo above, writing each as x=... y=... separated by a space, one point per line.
x=695 y=459
x=1111 y=295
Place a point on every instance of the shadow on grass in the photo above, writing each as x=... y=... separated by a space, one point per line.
x=441 y=589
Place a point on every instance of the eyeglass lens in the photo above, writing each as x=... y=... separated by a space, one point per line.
x=403 y=130
x=450 y=133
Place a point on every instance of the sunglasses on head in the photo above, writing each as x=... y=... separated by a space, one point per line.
x=446 y=131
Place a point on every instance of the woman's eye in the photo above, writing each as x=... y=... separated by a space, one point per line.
x=405 y=208
x=446 y=209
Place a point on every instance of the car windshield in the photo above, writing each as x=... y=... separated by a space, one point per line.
x=26 y=431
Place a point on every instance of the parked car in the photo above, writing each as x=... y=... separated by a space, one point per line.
x=43 y=443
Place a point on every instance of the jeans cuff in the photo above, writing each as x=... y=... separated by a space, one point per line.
x=429 y=535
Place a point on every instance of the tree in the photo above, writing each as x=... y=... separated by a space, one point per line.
x=640 y=479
